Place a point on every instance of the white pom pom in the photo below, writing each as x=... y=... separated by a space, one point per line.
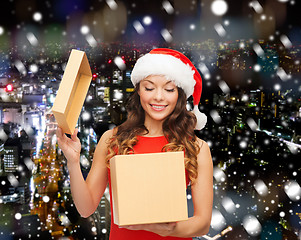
x=201 y=118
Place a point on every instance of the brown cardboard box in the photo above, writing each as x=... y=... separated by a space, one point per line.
x=72 y=91
x=148 y=188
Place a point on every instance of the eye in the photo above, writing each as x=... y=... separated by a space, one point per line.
x=170 y=90
x=148 y=89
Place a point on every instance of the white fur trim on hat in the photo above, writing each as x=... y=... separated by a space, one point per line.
x=170 y=67
x=201 y=118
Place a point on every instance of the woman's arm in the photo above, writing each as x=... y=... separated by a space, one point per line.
x=202 y=196
x=86 y=194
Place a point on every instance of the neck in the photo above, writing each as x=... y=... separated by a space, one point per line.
x=154 y=128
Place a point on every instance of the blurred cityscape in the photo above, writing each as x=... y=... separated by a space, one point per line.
x=251 y=95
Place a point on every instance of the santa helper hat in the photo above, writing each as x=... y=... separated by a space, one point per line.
x=176 y=67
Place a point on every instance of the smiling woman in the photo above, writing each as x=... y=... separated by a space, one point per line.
x=158 y=98
x=158 y=121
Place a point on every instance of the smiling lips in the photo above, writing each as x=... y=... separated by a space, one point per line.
x=158 y=107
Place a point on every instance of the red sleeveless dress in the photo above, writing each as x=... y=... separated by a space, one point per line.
x=144 y=145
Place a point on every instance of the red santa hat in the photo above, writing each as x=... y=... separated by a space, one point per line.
x=174 y=66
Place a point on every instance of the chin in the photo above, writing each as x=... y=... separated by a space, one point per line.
x=159 y=118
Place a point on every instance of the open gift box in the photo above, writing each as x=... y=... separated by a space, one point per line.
x=148 y=188
x=72 y=91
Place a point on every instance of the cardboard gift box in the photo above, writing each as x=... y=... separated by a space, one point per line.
x=72 y=91
x=148 y=188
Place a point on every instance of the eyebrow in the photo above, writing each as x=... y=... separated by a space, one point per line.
x=154 y=83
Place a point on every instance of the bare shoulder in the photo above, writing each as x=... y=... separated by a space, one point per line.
x=202 y=144
x=104 y=140
x=107 y=135
x=204 y=156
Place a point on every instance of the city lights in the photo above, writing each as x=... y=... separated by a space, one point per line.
x=9 y=88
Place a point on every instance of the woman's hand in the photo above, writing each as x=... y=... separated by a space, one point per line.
x=70 y=146
x=162 y=229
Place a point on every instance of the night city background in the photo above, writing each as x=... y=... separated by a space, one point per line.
x=249 y=56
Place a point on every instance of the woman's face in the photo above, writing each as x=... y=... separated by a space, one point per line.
x=158 y=97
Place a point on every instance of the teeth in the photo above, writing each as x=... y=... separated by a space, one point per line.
x=158 y=107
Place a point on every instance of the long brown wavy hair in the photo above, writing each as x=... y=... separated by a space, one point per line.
x=178 y=128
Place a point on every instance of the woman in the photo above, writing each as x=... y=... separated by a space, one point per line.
x=158 y=121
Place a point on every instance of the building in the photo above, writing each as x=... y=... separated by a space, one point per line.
x=10 y=159
x=1 y=158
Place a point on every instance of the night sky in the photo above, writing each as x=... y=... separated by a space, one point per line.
x=275 y=17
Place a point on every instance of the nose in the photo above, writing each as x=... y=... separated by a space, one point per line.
x=159 y=95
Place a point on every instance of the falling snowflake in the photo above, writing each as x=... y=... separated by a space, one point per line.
x=1 y=30
x=166 y=35
x=46 y=199
x=18 y=216
x=277 y=87
x=282 y=74
x=192 y=26
x=224 y=87
x=228 y=205
x=243 y=144
x=204 y=70
x=219 y=7
x=32 y=39
x=261 y=187
x=218 y=221
x=138 y=27
x=84 y=29
x=220 y=30
x=86 y=116
x=37 y=16
x=20 y=67
x=252 y=225
x=112 y=4
x=219 y=174
x=258 y=50
x=252 y=124
x=120 y=63
x=13 y=180
x=215 y=116
x=34 y=68
x=256 y=6
x=3 y=135
x=91 y=40
x=257 y=68
x=293 y=190
x=168 y=7
x=147 y=20
x=285 y=41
